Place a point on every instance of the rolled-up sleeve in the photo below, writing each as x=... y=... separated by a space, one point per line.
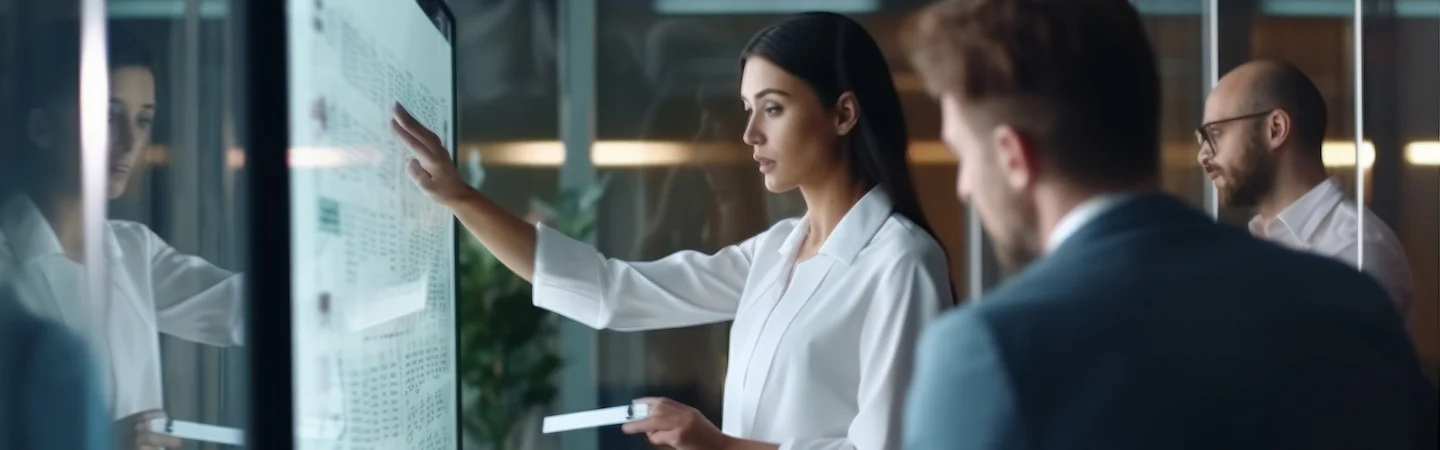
x=687 y=288
x=194 y=299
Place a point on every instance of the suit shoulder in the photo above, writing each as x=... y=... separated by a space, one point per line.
x=1318 y=269
x=968 y=318
x=43 y=335
x=1332 y=276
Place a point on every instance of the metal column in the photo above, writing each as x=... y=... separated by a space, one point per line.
x=1210 y=49
x=1359 y=48
x=974 y=255
x=577 y=72
x=94 y=144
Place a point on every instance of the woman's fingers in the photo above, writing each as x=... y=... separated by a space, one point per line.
x=647 y=425
x=419 y=147
x=418 y=174
x=145 y=417
x=431 y=167
x=660 y=417
x=417 y=130
x=662 y=438
x=653 y=402
x=153 y=439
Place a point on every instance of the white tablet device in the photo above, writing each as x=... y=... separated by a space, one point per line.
x=198 y=431
x=595 y=418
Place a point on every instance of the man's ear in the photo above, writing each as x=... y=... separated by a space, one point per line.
x=1015 y=157
x=1279 y=125
x=847 y=113
x=40 y=129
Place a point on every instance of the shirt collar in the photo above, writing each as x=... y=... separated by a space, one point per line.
x=1302 y=217
x=1082 y=214
x=852 y=233
x=31 y=237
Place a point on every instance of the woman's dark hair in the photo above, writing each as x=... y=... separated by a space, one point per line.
x=48 y=65
x=835 y=55
x=47 y=72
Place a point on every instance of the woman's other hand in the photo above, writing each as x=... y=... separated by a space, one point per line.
x=674 y=424
x=134 y=433
x=430 y=168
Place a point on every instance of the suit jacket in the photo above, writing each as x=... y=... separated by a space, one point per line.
x=49 y=394
x=1152 y=327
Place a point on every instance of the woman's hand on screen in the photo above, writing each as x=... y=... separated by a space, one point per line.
x=430 y=167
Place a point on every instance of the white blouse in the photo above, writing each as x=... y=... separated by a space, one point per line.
x=155 y=289
x=818 y=360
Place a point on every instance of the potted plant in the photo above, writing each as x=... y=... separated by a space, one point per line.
x=508 y=359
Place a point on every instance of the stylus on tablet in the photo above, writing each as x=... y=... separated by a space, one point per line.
x=595 y=418
x=199 y=431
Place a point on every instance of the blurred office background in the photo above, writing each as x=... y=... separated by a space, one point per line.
x=561 y=93
x=654 y=101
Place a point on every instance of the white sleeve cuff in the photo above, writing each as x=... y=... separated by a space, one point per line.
x=569 y=278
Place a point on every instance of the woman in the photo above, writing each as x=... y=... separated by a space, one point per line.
x=826 y=308
x=155 y=289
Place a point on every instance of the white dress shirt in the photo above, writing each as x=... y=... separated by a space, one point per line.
x=1323 y=222
x=155 y=290
x=821 y=364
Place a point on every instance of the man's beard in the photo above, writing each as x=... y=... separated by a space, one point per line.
x=1015 y=255
x=1019 y=244
x=1252 y=180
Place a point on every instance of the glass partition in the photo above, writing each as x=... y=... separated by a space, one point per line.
x=121 y=115
x=187 y=190
x=1400 y=57
x=53 y=330
x=1375 y=63
x=509 y=147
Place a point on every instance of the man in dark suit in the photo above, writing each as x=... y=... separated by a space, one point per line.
x=1141 y=323
x=49 y=394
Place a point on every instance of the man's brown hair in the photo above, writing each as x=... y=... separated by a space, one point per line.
x=1076 y=77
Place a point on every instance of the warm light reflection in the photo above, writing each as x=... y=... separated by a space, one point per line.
x=300 y=157
x=1342 y=154
x=603 y=153
x=1423 y=153
x=612 y=154
x=661 y=153
x=320 y=157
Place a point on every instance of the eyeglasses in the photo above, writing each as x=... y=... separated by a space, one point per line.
x=1202 y=133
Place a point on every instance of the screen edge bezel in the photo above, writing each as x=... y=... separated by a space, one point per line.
x=444 y=21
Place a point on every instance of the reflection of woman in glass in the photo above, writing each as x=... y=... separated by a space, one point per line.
x=703 y=207
x=154 y=288
x=826 y=308
x=698 y=206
